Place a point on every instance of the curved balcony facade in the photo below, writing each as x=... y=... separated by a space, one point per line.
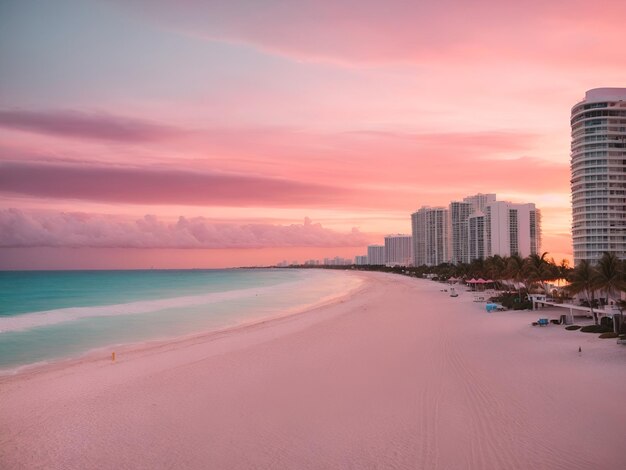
x=598 y=174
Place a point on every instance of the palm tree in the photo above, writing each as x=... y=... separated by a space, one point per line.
x=610 y=277
x=515 y=271
x=538 y=270
x=477 y=268
x=495 y=267
x=533 y=269
x=564 y=269
x=461 y=270
x=584 y=280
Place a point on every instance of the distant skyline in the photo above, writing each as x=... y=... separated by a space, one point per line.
x=223 y=133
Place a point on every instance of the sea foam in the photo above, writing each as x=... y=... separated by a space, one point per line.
x=51 y=317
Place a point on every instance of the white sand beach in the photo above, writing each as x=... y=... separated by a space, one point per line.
x=399 y=376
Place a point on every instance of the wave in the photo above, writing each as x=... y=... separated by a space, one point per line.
x=28 y=321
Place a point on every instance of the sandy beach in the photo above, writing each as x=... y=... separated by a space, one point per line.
x=399 y=376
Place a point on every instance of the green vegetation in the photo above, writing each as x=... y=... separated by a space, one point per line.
x=531 y=273
x=572 y=327
x=608 y=335
x=512 y=301
x=596 y=329
x=521 y=276
x=583 y=281
x=608 y=276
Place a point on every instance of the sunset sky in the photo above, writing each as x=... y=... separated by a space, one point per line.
x=222 y=133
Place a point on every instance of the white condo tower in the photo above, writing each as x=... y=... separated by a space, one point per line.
x=598 y=179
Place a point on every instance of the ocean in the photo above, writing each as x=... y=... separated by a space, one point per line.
x=51 y=315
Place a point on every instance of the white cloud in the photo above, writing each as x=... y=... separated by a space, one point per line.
x=56 y=229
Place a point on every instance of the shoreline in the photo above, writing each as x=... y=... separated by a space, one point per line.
x=98 y=354
x=397 y=375
x=127 y=350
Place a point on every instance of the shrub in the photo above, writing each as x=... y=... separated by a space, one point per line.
x=606 y=321
x=596 y=329
x=608 y=335
x=512 y=301
x=572 y=327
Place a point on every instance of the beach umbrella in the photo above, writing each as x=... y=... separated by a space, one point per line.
x=471 y=281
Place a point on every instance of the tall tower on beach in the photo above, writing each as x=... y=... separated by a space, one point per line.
x=512 y=229
x=598 y=174
x=398 y=250
x=459 y=217
x=376 y=255
x=479 y=201
x=430 y=236
x=466 y=239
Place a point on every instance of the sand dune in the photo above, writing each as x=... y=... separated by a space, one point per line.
x=399 y=376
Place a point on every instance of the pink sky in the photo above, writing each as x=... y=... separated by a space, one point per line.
x=119 y=120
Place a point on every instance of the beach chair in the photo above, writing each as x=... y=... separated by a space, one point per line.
x=543 y=322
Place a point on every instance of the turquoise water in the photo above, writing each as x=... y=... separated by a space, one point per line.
x=32 y=291
x=47 y=315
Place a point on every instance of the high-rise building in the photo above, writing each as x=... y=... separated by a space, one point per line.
x=512 y=229
x=376 y=255
x=459 y=216
x=430 y=236
x=475 y=237
x=598 y=180
x=418 y=232
x=398 y=250
x=479 y=201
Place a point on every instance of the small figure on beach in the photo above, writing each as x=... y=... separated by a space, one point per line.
x=580 y=349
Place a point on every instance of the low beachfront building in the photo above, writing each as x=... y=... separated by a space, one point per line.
x=337 y=261
x=360 y=260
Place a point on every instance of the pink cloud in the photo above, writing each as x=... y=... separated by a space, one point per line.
x=365 y=31
x=283 y=167
x=431 y=101
x=405 y=164
x=80 y=124
x=64 y=229
x=158 y=185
